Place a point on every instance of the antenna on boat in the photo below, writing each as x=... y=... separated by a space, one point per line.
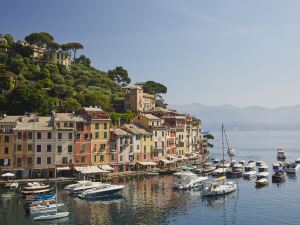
x=223 y=152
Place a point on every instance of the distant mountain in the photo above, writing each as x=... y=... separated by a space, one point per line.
x=244 y=118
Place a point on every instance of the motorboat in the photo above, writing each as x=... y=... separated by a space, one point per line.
x=216 y=161
x=37 y=192
x=262 y=175
x=249 y=175
x=231 y=152
x=236 y=171
x=13 y=185
x=105 y=190
x=249 y=167
x=242 y=162
x=219 y=172
x=276 y=165
x=35 y=186
x=291 y=168
x=261 y=182
x=260 y=162
x=188 y=180
x=152 y=173
x=281 y=154
x=52 y=216
x=278 y=175
x=297 y=161
x=80 y=187
x=263 y=168
x=45 y=208
x=216 y=189
x=70 y=186
x=40 y=197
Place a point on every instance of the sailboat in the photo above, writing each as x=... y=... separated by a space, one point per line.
x=55 y=215
x=216 y=188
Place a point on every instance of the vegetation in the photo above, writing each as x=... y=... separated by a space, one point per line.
x=36 y=84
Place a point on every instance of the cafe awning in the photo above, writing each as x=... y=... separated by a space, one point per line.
x=63 y=168
x=147 y=163
x=106 y=167
x=89 y=169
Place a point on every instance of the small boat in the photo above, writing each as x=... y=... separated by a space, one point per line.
x=236 y=171
x=52 y=216
x=83 y=186
x=231 y=152
x=208 y=168
x=262 y=175
x=260 y=162
x=37 y=192
x=276 y=165
x=219 y=172
x=216 y=161
x=263 y=168
x=100 y=191
x=242 y=162
x=188 y=180
x=249 y=167
x=152 y=173
x=291 y=168
x=278 y=175
x=297 y=161
x=261 y=182
x=40 y=197
x=13 y=185
x=249 y=175
x=281 y=154
x=35 y=186
x=45 y=208
x=216 y=189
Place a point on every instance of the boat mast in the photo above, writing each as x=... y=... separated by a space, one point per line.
x=223 y=152
x=227 y=145
x=55 y=190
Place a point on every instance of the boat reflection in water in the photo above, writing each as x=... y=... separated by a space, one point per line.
x=218 y=202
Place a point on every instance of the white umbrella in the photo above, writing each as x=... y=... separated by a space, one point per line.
x=8 y=175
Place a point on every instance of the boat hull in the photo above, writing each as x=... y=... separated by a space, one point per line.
x=100 y=193
x=52 y=216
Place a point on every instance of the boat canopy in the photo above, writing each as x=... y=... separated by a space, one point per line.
x=220 y=178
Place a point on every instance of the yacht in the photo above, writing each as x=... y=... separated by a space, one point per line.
x=291 y=168
x=105 y=190
x=263 y=168
x=242 y=162
x=236 y=171
x=297 y=160
x=261 y=182
x=215 y=188
x=83 y=186
x=262 y=175
x=249 y=175
x=208 y=168
x=249 y=167
x=35 y=186
x=188 y=180
x=45 y=208
x=281 y=154
x=276 y=165
x=278 y=175
x=219 y=172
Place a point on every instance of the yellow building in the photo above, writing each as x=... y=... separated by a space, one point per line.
x=100 y=130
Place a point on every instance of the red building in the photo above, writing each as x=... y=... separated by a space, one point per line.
x=83 y=144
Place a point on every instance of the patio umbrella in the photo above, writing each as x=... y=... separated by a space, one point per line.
x=8 y=175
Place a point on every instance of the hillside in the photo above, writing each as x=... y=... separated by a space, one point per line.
x=247 y=118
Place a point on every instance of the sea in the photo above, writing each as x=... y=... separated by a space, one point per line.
x=151 y=200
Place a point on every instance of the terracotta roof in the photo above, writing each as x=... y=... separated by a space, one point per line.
x=120 y=132
x=67 y=117
x=151 y=117
x=10 y=119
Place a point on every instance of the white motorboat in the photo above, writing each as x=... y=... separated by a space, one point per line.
x=260 y=162
x=35 y=186
x=262 y=175
x=276 y=165
x=208 y=168
x=249 y=167
x=231 y=152
x=219 y=172
x=105 y=190
x=215 y=189
x=291 y=168
x=70 y=186
x=297 y=160
x=261 y=182
x=13 y=185
x=52 y=216
x=45 y=208
x=263 y=168
x=188 y=180
x=281 y=154
x=242 y=162
x=249 y=174
x=83 y=186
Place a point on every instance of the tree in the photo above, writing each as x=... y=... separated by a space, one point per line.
x=25 y=51
x=154 y=88
x=119 y=75
x=41 y=40
x=72 y=46
x=83 y=60
x=53 y=46
x=70 y=105
x=9 y=38
x=16 y=64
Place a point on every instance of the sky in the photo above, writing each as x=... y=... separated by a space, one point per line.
x=211 y=52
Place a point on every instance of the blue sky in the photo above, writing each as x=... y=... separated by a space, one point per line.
x=212 y=52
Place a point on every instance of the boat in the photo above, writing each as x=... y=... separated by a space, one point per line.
x=297 y=161
x=83 y=186
x=276 y=165
x=13 y=185
x=281 y=154
x=236 y=171
x=262 y=175
x=261 y=182
x=249 y=175
x=105 y=190
x=37 y=192
x=216 y=161
x=259 y=163
x=231 y=152
x=70 y=186
x=56 y=214
x=52 y=216
x=219 y=172
x=263 y=168
x=188 y=180
x=215 y=188
x=291 y=168
x=278 y=175
x=242 y=162
x=249 y=167
x=35 y=186
x=208 y=168
x=152 y=173
x=39 y=197
x=45 y=208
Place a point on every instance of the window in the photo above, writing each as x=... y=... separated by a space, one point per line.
x=65 y=124
x=65 y=160
x=59 y=136
x=155 y=143
x=70 y=148
x=38 y=135
x=49 y=135
x=38 y=148
x=162 y=153
x=145 y=148
x=97 y=135
x=163 y=133
x=29 y=147
x=58 y=125
x=105 y=126
x=105 y=135
x=121 y=158
x=162 y=144
x=138 y=147
x=101 y=157
x=150 y=138
x=137 y=137
x=155 y=133
x=19 y=135
x=145 y=156
x=86 y=136
x=48 y=160
x=59 y=149
x=83 y=148
x=78 y=136
x=144 y=137
x=29 y=161
x=49 y=148
x=95 y=158
x=70 y=136
x=29 y=135
x=97 y=126
x=19 y=161
x=6 y=139
x=112 y=156
x=71 y=125
x=38 y=160
x=151 y=148
x=19 y=147
x=82 y=159
x=6 y=150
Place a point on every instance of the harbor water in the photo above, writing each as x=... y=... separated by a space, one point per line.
x=151 y=200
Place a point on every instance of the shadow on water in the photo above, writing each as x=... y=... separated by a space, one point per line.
x=54 y=222
x=111 y=198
